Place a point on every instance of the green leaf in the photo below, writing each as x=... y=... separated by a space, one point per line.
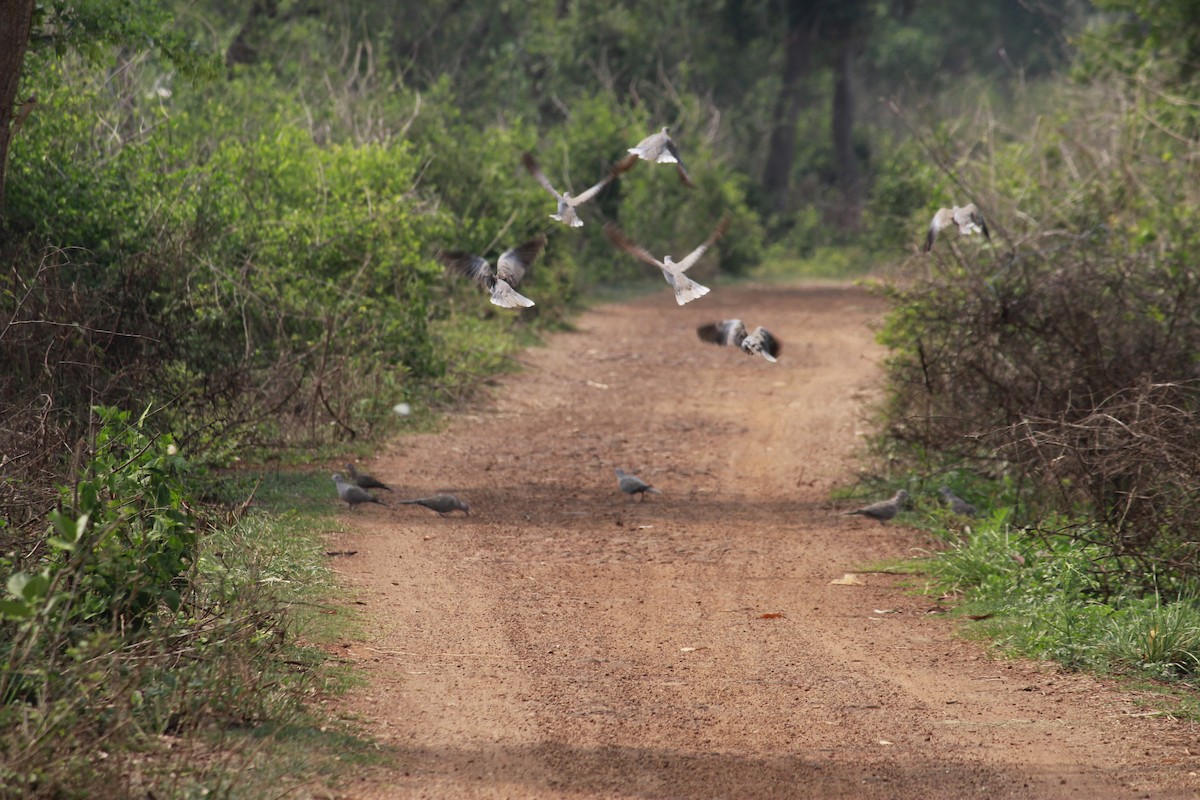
x=14 y=609
x=70 y=531
x=30 y=588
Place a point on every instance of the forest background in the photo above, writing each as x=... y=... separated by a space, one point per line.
x=219 y=231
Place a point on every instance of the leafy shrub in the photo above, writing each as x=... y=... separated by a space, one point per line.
x=124 y=626
x=1067 y=360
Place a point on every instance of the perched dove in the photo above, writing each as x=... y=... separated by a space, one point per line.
x=660 y=148
x=510 y=269
x=364 y=481
x=443 y=504
x=957 y=504
x=732 y=333
x=884 y=509
x=351 y=494
x=686 y=289
x=566 y=203
x=632 y=484
x=967 y=218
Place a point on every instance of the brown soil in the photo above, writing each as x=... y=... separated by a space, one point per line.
x=567 y=641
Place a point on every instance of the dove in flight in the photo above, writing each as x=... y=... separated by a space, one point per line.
x=567 y=204
x=660 y=148
x=510 y=269
x=686 y=289
x=967 y=218
x=732 y=333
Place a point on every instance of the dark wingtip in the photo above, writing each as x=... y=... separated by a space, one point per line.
x=684 y=177
x=616 y=235
x=774 y=346
x=625 y=164
x=722 y=227
x=929 y=241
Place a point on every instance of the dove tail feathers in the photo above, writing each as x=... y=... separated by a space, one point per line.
x=506 y=296
x=686 y=289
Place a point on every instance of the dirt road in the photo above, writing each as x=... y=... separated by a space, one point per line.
x=567 y=641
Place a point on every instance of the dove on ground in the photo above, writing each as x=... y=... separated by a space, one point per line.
x=364 y=481
x=686 y=289
x=566 y=203
x=632 y=484
x=732 y=333
x=884 y=509
x=660 y=148
x=351 y=494
x=443 y=504
x=957 y=504
x=967 y=218
x=510 y=269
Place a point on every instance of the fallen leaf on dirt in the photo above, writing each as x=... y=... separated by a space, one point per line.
x=885 y=611
x=687 y=649
x=340 y=552
x=849 y=579
x=884 y=741
x=596 y=385
x=772 y=616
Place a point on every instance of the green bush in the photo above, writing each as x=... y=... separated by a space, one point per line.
x=131 y=621
x=1063 y=354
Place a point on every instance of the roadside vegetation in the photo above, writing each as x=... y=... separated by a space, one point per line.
x=1056 y=368
x=219 y=233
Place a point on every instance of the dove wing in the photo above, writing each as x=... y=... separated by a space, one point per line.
x=621 y=167
x=725 y=332
x=618 y=238
x=470 y=265
x=977 y=218
x=513 y=263
x=535 y=170
x=771 y=346
x=694 y=256
x=684 y=177
x=941 y=219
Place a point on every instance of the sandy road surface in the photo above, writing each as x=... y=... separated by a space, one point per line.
x=565 y=641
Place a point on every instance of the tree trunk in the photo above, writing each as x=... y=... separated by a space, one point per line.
x=16 y=20
x=781 y=152
x=244 y=47
x=849 y=178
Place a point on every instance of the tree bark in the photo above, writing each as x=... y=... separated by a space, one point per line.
x=16 y=21
x=244 y=47
x=849 y=177
x=781 y=152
